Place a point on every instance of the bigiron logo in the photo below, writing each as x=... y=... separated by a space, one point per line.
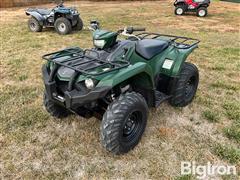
x=204 y=171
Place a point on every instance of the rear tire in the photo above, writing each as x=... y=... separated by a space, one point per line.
x=54 y=109
x=124 y=122
x=63 y=26
x=184 y=90
x=79 y=25
x=202 y=12
x=34 y=25
x=179 y=10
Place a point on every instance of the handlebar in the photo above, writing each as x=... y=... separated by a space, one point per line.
x=135 y=29
x=130 y=30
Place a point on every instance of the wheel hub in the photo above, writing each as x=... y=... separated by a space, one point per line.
x=62 y=27
x=129 y=126
x=132 y=126
x=33 y=25
x=179 y=11
x=189 y=86
x=201 y=13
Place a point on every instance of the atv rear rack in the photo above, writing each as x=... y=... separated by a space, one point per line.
x=178 y=41
x=77 y=59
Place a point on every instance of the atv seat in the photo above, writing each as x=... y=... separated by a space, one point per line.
x=44 y=11
x=148 y=48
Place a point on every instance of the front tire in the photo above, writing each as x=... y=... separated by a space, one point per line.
x=202 y=12
x=124 y=122
x=79 y=25
x=34 y=25
x=179 y=10
x=184 y=90
x=63 y=26
x=54 y=109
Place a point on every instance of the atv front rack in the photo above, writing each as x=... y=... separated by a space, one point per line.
x=178 y=41
x=83 y=61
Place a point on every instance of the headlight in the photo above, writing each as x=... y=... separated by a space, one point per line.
x=99 y=43
x=89 y=83
x=74 y=11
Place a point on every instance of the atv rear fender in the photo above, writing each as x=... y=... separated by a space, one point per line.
x=37 y=16
x=181 y=58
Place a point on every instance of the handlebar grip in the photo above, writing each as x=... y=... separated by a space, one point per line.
x=138 y=29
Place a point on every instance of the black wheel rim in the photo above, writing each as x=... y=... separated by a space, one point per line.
x=190 y=86
x=132 y=126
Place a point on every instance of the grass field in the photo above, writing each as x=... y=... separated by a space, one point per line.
x=35 y=145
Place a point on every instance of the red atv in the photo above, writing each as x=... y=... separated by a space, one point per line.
x=198 y=6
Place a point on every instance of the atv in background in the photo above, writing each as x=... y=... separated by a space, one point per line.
x=119 y=80
x=63 y=19
x=198 y=6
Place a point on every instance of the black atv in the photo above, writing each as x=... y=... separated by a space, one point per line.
x=63 y=19
x=197 y=6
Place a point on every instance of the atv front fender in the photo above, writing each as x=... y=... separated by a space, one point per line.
x=37 y=16
x=139 y=73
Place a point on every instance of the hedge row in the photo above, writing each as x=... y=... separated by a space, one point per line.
x=17 y=3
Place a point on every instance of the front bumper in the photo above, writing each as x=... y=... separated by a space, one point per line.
x=74 y=98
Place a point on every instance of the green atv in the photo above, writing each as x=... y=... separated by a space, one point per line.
x=119 y=80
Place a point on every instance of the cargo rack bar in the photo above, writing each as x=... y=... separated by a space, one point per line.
x=76 y=58
x=178 y=41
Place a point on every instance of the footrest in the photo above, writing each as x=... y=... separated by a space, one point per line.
x=160 y=97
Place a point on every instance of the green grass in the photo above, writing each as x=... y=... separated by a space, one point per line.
x=211 y=116
x=218 y=67
x=225 y=85
x=228 y=153
x=34 y=145
x=233 y=132
x=185 y=177
x=232 y=109
x=23 y=77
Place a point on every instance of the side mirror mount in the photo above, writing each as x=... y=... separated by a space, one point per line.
x=94 y=25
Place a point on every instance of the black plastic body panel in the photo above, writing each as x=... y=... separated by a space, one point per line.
x=73 y=98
